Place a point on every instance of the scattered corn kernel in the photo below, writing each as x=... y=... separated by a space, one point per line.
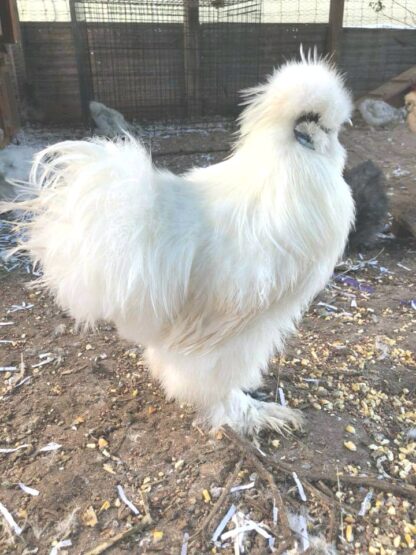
x=157 y=535
x=396 y=541
x=348 y=533
x=102 y=443
x=206 y=495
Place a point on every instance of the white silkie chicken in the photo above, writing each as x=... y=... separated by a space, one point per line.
x=210 y=270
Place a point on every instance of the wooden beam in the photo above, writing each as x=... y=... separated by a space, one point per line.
x=9 y=117
x=336 y=18
x=392 y=91
x=82 y=53
x=9 y=19
x=192 y=56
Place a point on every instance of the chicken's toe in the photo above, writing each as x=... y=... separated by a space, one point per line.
x=249 y=416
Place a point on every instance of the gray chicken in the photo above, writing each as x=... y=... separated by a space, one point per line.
x=367 y=183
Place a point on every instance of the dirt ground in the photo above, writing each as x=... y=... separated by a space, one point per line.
x=351 y=369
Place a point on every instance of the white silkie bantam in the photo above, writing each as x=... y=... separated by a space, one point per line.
x=211 y=270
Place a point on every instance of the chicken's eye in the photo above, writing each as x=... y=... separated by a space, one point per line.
x=304 y=139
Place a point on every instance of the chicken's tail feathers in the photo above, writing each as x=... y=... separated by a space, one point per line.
x=85 y=205
x=64 y=172
x=64 y=163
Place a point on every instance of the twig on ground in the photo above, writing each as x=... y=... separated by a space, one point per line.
x=145 y=505
x=259 y=460
x=117 y=448
x=386 y=486
x=136 y=529
x=250 y=453
x=284 y=546
x=330 y=504
x=219 y=503
x=332 y=525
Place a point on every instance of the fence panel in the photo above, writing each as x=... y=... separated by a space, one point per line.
x=176 y=59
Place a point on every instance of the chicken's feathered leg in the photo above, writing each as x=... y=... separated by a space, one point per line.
x=216 y=395
x=249 y=416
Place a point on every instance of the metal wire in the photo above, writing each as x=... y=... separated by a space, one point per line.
x=43 y=10
x=378 y=41
x=380 y=14
x=158 y=60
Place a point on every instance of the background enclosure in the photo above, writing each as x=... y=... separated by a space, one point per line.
x=173 y=59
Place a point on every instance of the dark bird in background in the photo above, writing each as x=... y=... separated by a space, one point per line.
x=368 y=186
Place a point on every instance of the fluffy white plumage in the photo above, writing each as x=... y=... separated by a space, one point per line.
x=210 y=270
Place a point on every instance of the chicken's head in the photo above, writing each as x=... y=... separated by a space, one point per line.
x=300 y=110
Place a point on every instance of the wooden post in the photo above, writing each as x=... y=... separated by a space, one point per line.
x=83 y=64
x=10 y=30
x=191 y=56
x=336 y=17
x=9 y=34
x=9 y=116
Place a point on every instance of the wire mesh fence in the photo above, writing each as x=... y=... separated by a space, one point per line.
x=44 y=10
x=140 y=57
x=379 y=41
x=188 y=59
x=380 y=14
x=154 y=60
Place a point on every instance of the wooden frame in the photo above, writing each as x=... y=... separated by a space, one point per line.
x=9 y=34
x=192 y=56
x=336 y=18
x=9 y=19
